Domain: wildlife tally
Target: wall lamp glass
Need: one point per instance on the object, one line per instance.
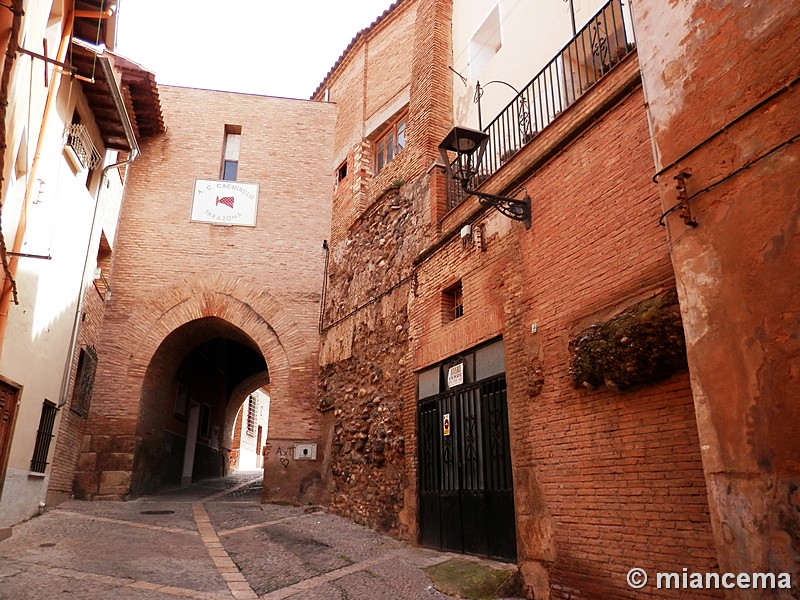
(469, 146)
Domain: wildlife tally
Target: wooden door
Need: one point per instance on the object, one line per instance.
(9, 402)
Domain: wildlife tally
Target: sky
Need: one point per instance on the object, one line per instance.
(276, 48)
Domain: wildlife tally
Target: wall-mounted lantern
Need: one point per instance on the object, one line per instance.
(469, 146)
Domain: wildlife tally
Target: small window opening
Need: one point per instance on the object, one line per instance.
(452, 303)
(341, 172)
(230, 153)
(101, 273)
(485, 43)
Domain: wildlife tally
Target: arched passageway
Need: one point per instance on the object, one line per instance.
(224, 339)
(195, 384)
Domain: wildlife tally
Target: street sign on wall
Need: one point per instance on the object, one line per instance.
(225, 202)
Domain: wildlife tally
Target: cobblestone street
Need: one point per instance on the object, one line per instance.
(211, 541)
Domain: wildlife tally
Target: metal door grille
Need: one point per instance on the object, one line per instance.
(466, 490)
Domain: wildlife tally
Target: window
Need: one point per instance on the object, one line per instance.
(452, 303)
(21, 163)
(485, 43)
(341, 173)
(390, 144)
(103, 267)
(84, 381)
(79, 146)
(252, 412)
(230, 153)
(181, 400)
(43, 437)
(205, 421)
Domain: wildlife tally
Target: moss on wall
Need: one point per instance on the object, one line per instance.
(642, 345)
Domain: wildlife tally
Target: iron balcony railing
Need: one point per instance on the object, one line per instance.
(594, 50)
(78, 138)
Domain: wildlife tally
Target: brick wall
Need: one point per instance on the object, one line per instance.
(262, 284)
(71, 426)
(398, 64)
(604, 480)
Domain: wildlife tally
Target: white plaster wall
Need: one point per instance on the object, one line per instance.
(532, 33)
(22, 493)
(37, 338)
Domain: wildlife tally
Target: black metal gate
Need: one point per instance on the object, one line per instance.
(466, 491)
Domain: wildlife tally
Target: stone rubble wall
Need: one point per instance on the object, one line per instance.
(366, 358)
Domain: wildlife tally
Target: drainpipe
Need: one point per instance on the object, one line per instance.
(116, 96)
(324, 287)
(52, 95)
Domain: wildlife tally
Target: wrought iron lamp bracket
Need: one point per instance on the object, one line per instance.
(516, 210)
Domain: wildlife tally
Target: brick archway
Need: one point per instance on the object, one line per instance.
(113, 433)
(256, 313)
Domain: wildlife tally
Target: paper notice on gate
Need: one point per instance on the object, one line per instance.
(455, 375)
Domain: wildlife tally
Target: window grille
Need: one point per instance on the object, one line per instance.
(43, 437)
(79, 140)
(252, 415)
(84, 381)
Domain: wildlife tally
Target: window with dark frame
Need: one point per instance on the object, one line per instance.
(390, 144)
(452, 302)
(230, 152)
(44, 436)
(341, 173)
(84, 381)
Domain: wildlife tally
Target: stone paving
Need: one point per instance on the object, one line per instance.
(210, 541)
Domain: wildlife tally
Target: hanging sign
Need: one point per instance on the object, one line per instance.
(225, 202)
(446, 424)
(455, 375)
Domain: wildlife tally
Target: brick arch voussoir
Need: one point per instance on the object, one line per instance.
(255, 312)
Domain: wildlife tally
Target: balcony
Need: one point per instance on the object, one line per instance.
(80, 147)
(602, 43)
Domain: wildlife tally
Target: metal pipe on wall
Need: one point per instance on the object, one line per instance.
(130, 136)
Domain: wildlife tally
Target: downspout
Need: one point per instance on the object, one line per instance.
(130, 136)
(52, 96)
(324, 287)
